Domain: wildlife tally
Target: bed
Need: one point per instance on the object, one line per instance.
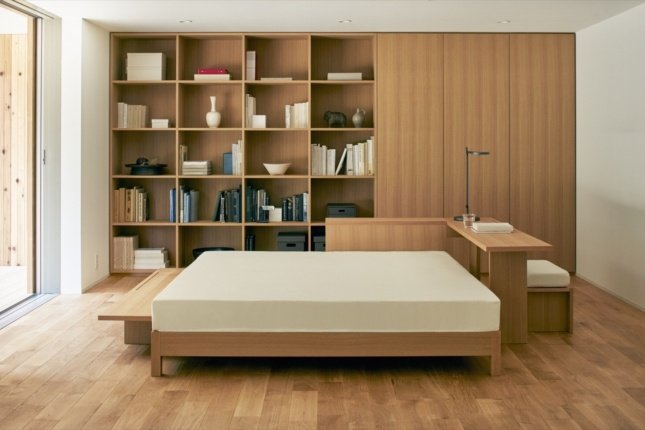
(409, 303)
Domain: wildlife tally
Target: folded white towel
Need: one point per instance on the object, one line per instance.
(492, 227)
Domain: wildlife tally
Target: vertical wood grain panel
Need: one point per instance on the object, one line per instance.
(542, 173)
(410, 125)
(476, 116)
(5, 144)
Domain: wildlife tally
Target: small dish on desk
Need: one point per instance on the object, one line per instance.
(276, 169)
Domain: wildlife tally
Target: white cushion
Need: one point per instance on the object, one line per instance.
(543, 273)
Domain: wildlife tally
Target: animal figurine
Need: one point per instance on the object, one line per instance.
(335, 119)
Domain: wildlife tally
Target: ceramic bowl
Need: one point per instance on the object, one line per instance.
(277, 169)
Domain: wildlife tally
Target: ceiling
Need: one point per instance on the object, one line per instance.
(324, 15)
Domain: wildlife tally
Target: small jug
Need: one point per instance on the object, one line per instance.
(358, 118)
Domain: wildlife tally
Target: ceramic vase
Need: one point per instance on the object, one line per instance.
(358, 118)
(213, 117)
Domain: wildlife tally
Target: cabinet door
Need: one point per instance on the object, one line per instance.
(542, 163)
(476, 116)
(410, 125)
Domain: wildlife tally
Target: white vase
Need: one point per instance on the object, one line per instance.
(358, 118)
(213, 117)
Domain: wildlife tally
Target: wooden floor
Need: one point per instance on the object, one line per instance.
(13, 285)
(61, 368)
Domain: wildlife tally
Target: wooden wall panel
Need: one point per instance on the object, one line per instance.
(542, 136)
(410, 125)
(476, 103)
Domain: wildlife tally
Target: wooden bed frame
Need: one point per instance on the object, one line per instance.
(357, 234)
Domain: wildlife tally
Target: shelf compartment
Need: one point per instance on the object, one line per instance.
(279, 187)
(208, 190)
(280, 55)
(338, 139)
(149, 237)
(208, 145)
(210, 51)
(271, 100)
(276, 147)
(266, 235)
(129, 145)
(159, 98)
(158, 190)
(341, 98)
(192, 236)
(194, 103)
(342, 53)
(358, 191)
(122, 44)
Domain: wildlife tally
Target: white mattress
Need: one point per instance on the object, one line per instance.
(423, 291)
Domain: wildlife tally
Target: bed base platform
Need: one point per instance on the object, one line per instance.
(320, 344)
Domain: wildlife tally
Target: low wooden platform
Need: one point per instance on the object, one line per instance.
(134, 309)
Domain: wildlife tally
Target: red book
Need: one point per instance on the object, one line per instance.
(214, 71)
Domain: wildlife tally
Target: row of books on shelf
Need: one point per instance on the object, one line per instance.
(131, 116)
(128, 256)
(232, 162)
(228, 207)
(296, 115)
(296, 207)
(130, 204)
(184, 204)
(357, 159)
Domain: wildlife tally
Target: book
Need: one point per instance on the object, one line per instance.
(340, 163)
(351, 76)
(212, 77)
(212, 71)
(349, 170)
(277, 79)
(250, 65)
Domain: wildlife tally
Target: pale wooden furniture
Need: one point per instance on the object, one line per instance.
(542, 161)
(550, 302)
(306, 58)
(134, 307)
(507, 255)
(512, 94)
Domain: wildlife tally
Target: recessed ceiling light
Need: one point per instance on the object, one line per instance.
(185, 21)
(345, 21)
(504, 21)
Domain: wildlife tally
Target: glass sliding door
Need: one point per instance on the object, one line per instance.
(17, 157)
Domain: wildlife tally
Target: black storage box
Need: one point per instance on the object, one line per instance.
(319, 243)
(341, 210)
(292, 241)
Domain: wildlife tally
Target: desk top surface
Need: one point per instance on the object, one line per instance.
(517, 241)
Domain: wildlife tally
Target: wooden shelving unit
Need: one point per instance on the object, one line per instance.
(306, 58)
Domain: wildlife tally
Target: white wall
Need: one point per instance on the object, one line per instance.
(84, 154)
(95, 133)
(611, 155)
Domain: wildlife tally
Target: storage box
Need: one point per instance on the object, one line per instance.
(146, 66)
(292, 241)
(319, 243)
(341, 210)
(160, 123)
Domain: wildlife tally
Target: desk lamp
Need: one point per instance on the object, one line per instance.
(469, 152)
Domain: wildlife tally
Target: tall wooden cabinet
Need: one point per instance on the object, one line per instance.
(542, 162)
(306, 59)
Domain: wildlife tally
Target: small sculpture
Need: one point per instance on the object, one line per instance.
(358, 118)
(335, 119)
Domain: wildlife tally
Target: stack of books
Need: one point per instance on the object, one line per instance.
(131, 116)
(350, 76)
(296, 115)
(123, 257)
(150, 258)
(212, 74)
(196, 168)
(130, 204)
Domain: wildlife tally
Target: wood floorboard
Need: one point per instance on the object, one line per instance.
(60, 368)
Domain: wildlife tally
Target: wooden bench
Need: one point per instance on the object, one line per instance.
(134, 308)
(550, 298)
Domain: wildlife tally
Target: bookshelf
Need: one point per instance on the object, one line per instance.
(306, 59)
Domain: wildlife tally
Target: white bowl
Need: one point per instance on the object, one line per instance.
(277, 169)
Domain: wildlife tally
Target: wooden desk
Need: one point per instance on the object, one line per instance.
(134, 308)
(507, 273)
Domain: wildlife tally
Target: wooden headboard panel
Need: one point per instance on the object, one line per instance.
(385, 234)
